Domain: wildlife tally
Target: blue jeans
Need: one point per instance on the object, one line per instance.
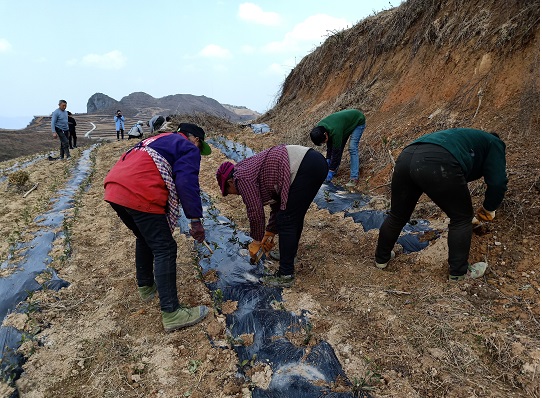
(154, 244)
(354, 153)
(429, 169)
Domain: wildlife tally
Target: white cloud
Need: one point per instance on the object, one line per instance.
(281, 69)
(5, 45)
(111, 60)
(276, 69)
(214, 51)
(252, 13)
(311, 32)
(248, 49)
(220, 68)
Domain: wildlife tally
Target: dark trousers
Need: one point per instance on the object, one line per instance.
(73, 140)
(121, 133)
(64, 142)
(429, 169)
(154, 244)
(310, 176)
(158, 123)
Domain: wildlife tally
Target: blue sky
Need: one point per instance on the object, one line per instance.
(236, 52)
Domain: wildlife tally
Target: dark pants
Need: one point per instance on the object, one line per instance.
(64, 142)
(158, 123)
(73, 139)
(310, 176)
(429, 169)
(154, 244)
(121, 133)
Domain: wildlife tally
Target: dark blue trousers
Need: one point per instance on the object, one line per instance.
(155, 253)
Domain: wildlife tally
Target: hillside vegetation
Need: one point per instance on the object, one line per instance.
(401, 332)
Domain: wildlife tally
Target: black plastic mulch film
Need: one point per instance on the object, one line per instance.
(297, 371)
(34, 260)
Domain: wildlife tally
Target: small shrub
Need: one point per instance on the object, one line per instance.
(18, 179)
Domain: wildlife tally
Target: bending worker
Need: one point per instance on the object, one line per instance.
(335, 130)
(440, 165)
(145, 188)
(286, 177)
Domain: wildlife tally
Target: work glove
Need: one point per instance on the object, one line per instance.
(254, 249)
(196, 231)
(328, 162)
(330, 175)
(267, 241)
(485, 215)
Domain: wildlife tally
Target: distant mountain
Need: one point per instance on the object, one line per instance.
(242, 111)
(140, 104)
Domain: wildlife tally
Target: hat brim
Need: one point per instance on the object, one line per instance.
(205, 148)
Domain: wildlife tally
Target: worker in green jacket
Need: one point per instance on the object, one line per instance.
(440, 165)
(335, 130)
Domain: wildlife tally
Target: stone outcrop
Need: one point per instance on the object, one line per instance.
(140, 104)
(100, 102)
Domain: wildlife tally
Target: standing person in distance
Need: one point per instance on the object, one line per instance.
(119, 124)
(335, 130)
(73, 136)
(440, 165)
(286, 177)
(61, 129)
(145, 188)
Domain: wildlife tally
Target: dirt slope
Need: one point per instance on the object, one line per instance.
(402, 332)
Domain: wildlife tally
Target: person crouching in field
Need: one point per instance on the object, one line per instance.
(136, 131)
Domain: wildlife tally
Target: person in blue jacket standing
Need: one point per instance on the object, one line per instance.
(441, 165)
(119, 124)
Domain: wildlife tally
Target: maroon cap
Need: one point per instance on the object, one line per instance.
(222, 175)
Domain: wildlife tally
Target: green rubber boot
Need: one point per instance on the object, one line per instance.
(183, 317)
(146, 293)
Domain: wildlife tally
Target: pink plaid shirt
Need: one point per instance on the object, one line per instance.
(263, 179)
